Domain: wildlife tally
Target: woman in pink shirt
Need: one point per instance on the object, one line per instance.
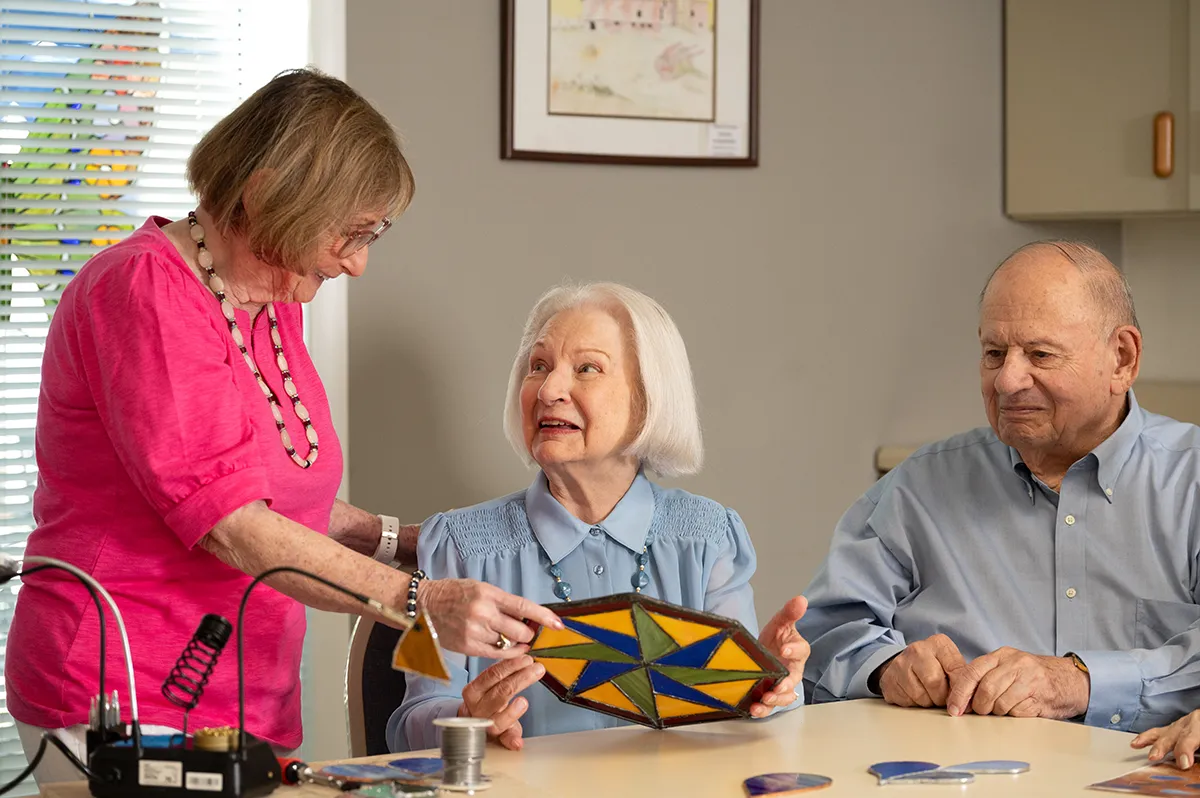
(180, 422)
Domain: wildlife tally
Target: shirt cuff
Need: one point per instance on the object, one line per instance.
(416, 727)
(858, 683)
(195, 516)
(1116, 689)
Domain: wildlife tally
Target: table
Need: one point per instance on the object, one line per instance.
(836, 740)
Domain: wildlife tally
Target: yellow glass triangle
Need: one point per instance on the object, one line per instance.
(729, 692)
(730, 657)
(669, 707)
(620, 621)
(418, 651)
(609, 693)
(553, 638)
(565, 670)
(684, 632)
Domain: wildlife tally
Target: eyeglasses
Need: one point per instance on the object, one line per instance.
(363, 238)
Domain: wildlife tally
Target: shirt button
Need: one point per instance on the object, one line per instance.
(596, 531)
(1116, 718)
(1108, 491)
(1071, 592)
(1070, 519)
(598, 570)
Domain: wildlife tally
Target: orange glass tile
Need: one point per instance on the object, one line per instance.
(669, 707)
(608, 693)
(729, 692)
(730, 657)
(684, 632)
(553, 638)
(565, 670)
(620, 621)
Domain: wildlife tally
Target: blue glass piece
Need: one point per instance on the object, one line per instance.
(772, 783)
(643, 559)
(598, 672)
(423, 765)
(639, 579)
(562, 590)
(555, 571)
(674, 689)
(891, 770)
(694, 656)
(365, 772)
(624, 643)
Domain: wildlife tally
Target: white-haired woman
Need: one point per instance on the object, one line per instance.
(601, 392)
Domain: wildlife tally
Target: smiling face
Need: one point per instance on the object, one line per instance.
(262, 282)
(329, 264)
(578, 395)
(1053, 375)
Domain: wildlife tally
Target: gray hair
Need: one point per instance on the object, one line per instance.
(1106, 283)
(669, 441)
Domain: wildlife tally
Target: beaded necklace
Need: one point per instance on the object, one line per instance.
(638, 581)
(217, 286)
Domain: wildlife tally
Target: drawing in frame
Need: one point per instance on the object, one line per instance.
(660, 82)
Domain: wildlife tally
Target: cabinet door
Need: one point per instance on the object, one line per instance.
(1084, 80)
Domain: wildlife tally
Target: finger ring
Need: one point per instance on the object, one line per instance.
(504, 644)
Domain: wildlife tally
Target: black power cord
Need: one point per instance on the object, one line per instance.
(49, 737)
(241, 741)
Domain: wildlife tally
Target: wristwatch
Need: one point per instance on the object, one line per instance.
(1078, 662)
(389, 540)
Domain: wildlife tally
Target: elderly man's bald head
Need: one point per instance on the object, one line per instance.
(1106, 284)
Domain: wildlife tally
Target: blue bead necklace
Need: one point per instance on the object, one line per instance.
(638, 581)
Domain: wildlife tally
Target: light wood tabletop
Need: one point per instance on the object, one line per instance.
(836, 740)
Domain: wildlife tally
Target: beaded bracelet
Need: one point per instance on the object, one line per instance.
(410, 606)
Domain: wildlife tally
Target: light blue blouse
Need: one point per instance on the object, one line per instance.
(700, 557)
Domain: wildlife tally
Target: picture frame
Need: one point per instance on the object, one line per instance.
(649, 82)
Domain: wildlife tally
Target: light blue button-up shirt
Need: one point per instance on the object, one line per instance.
(700, 557)
(963, 540)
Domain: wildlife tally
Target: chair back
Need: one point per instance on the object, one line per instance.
(373, 688)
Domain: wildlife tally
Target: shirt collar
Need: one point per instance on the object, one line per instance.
(559, 533)
(1110, 456)
(1113, 454)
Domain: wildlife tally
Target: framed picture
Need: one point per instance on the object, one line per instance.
(667, 82)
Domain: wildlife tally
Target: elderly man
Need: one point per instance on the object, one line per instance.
(1045, 566)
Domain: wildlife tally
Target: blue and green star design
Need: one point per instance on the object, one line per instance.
(653, 662)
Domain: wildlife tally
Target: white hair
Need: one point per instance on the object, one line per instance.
(669, 441)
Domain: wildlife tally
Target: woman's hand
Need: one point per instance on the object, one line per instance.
(493, 695)
(471, 616)
(780, 637)
(1181, 738)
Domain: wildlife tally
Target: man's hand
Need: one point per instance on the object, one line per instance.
(1012, 682)
(1181, 738)
(918, 676)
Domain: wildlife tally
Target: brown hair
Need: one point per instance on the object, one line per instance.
(320, 155)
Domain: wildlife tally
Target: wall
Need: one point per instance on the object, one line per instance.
(1162, 267)
(827, 297)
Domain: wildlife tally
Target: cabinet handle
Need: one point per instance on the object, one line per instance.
(1164, 144)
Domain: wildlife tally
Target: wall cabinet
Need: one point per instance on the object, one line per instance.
(1097, 93)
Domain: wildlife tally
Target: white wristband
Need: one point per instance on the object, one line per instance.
(389, 540)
